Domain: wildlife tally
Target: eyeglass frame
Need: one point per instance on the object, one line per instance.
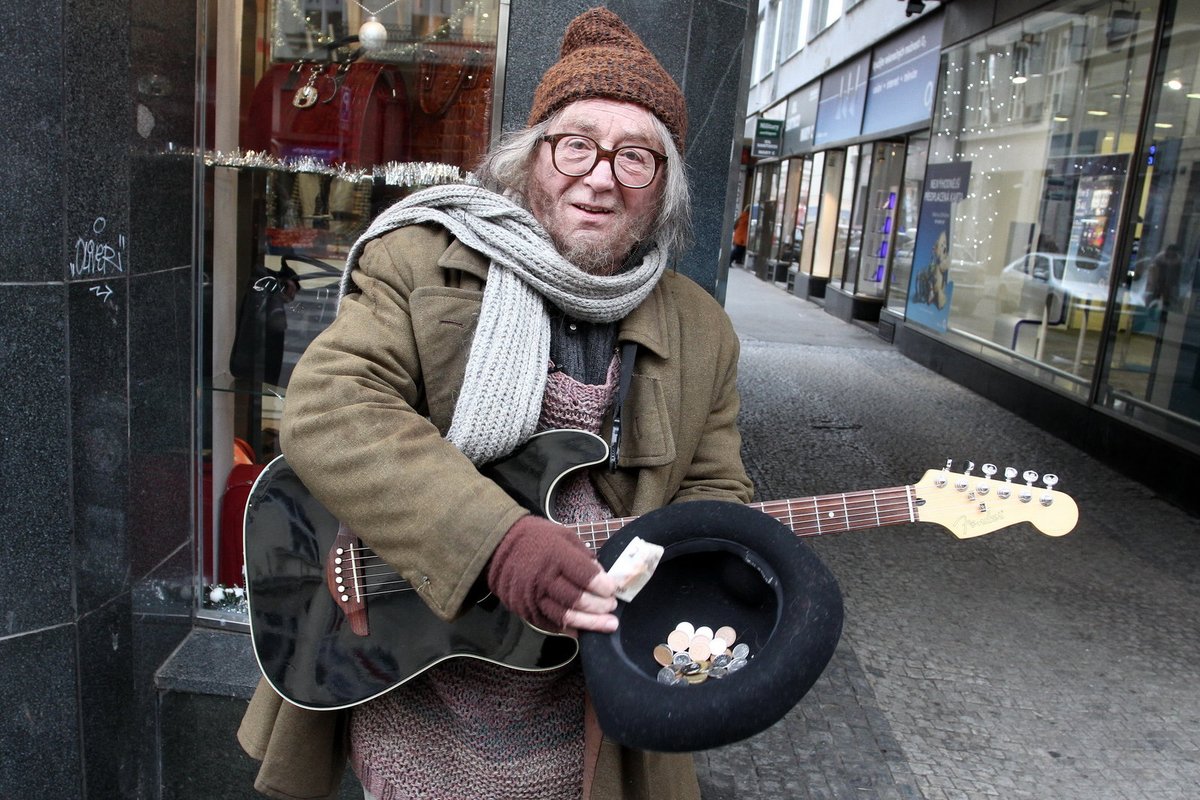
(602, 154)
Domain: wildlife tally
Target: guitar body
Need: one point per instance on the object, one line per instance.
(303, 639)
(327, 640)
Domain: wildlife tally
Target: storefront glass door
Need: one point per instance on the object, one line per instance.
(1152, 369)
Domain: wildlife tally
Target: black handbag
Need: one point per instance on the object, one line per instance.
(262, 319)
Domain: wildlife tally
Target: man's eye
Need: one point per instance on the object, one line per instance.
(634, 157)
(577, 145)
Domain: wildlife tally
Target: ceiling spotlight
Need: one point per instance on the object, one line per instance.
(914, 7)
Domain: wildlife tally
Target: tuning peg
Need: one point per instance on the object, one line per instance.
(1050, 480)
(1027, 494)
(941, 480)
(988, 469)
(1005, 491)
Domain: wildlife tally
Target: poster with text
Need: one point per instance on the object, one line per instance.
(931, 288)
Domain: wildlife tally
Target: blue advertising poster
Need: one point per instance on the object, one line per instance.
(931, 288)
(840, 109)
(904, 74)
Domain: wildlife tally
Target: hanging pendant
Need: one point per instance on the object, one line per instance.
(372, 35)
(307, 95)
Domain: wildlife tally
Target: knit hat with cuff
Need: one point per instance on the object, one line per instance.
(602, 57)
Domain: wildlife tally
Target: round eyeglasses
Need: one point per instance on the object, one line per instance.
(576, 155)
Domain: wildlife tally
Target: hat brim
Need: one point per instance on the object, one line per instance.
(724, 564)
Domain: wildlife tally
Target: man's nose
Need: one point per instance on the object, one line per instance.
(601, 177)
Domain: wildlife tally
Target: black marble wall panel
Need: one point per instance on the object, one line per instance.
(107, 695)
(96, 145)
(700, 43)
(159, 126)
(34, 462)
(160, 396)
(31, 128)
(100, 439)
(39, 726)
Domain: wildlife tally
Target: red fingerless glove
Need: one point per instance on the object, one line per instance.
(540, 570)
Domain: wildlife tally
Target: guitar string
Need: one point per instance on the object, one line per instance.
(898, 509)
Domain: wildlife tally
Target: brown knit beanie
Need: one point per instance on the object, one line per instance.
(602, 57)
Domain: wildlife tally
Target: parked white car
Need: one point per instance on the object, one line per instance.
(1031, 281)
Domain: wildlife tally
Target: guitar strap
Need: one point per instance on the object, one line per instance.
(628, 354)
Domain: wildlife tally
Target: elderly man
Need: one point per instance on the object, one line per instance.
(471, 318)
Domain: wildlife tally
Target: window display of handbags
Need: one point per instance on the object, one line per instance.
(452, 119)
(352, 112)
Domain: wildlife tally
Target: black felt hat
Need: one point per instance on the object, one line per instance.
(724, 564)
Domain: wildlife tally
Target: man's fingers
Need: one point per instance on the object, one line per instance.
(603, 585)
(586, 621)
(594, 603)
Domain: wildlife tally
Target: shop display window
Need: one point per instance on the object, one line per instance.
(880, 204)
(1151, 364)
(812, 213)
(845, 245)
(1033, 145)
(907, 213)
(317, 115)
(795, 206)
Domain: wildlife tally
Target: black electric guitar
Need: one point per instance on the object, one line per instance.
(334, 626)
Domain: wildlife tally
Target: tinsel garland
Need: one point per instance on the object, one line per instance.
(393, 173)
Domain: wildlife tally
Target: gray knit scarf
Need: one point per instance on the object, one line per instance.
(501, 395)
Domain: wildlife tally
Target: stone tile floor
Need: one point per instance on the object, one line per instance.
(1014, 665)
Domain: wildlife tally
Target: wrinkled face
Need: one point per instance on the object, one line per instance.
(594, 221)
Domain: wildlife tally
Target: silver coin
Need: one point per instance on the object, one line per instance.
(691, 669)
(718, 672)
(666, 675)
(736, 664)
(721, 661)
(681, 659)
(741, 651)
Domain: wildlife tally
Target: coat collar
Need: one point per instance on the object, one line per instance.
(645, 325)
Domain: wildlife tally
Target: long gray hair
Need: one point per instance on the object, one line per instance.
(508, 163)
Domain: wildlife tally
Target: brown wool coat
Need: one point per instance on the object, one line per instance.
(376, 390)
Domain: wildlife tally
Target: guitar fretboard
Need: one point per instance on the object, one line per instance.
(806, 516)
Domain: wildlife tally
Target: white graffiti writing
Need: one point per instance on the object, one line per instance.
(96, 254)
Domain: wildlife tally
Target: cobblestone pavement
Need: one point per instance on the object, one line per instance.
(1014, 665)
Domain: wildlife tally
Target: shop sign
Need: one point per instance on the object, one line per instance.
(768, 136)
(840, 109)
(904, 75)
(931, 287)
(801, 120)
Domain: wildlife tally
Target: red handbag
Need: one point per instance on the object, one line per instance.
(352, 113)
(453, 118)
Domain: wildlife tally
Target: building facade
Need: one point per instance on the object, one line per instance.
(1003, 190)
(185, 179)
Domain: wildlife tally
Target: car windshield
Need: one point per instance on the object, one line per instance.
(1083, 270)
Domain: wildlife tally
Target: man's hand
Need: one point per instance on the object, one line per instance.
(544, 574)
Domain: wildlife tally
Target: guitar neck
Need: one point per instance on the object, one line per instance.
(806, 516)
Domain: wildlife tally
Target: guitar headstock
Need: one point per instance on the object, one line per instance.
(971, 505)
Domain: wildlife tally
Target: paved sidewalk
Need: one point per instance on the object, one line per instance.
(1014, 665)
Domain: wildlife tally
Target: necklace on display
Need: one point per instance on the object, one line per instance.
(371, 34)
